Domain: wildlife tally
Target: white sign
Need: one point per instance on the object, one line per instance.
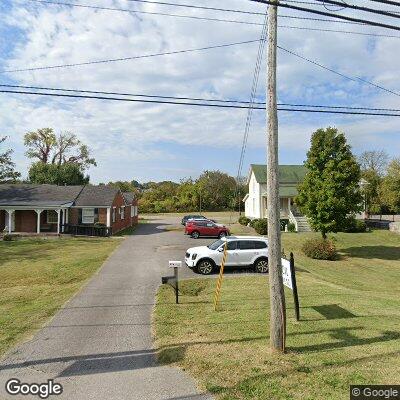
(175, 264)
(286, 275)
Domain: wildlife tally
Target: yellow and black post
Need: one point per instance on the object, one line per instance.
(221, 275)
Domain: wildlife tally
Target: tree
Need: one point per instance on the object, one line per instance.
(390, 188)
(7, 171)
(373, 167)
(330, 191)
(374, 161)
(216, 189)
(55, 174)
(48, 148)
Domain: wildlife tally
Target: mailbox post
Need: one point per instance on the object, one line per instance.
(173, 280)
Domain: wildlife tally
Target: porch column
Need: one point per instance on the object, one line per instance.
(38, 212)
(58, 221)
(63, 219)
(108, 217)
(9, 219)
(66, 215)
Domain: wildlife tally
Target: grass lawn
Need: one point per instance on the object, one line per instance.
(349, 330)
(38, 276)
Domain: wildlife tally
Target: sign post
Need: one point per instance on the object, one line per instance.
(221, 275)
(289, 280)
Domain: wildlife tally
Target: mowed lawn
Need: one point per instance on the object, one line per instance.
(349, 331)
(38, 276)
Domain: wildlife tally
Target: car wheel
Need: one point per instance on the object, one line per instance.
(205, 267)
(261, 266)
(222, 234)
(195, 235)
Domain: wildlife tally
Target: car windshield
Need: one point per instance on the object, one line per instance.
(215, 245)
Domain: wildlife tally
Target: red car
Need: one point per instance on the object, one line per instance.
(205, 228)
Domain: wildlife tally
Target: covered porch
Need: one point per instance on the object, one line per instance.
(33, 220)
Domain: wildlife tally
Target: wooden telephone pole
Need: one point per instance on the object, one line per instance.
(277, 296)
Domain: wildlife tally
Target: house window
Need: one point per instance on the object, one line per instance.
(133, 211)
(88, 215)
(114, 212)
(52, 217)
(122, 212)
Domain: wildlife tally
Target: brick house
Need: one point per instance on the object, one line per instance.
(87, 210)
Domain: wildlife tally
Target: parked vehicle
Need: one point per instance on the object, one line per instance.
(242, 252)
(197, 228)
(187, 217)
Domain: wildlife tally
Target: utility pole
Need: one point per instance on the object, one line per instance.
(277, 296)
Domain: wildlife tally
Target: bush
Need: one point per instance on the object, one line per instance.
(356, 226)
(320, 249)
(253, 222)
(244, 220)
(7, 237)
(261, 226)
(291, 227)
(283, 223)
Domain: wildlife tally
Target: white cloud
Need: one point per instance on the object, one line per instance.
(134, 133)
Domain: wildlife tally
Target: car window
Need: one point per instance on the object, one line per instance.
(210, 225)
(215, 245)
(232, 245)
(246, 245)
(260, 245)
(200, 223)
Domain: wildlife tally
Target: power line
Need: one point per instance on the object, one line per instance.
(312, 11)
(196, 104)
(336, 31)
(196, 98)
(393, 3)
(130, 58)
(360, 8)
(355, 79)
(192, 16)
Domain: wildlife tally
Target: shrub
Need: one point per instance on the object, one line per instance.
(244, 220)
(253, 222)
(283, 223)
(291, 227)
(356, 226)
(261, 226)
(320, 249)
(7, 237)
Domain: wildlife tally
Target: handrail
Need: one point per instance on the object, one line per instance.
(293, 220)
(87, 230)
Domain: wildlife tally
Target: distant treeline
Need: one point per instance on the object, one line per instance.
(212, 191)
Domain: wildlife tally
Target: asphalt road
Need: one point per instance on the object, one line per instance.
(99, 345)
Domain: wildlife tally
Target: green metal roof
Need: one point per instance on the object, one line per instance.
(286, 191)
(287, 173)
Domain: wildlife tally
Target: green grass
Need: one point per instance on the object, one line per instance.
(38, 276)
(349, 331)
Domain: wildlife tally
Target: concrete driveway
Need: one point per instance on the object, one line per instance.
(99, 345)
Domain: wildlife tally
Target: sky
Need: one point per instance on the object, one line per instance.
(154, 142)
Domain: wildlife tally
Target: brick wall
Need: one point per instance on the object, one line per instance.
(119, 223)
(25, 221)
(2, 220)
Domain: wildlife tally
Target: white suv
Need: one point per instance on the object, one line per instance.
(243, 251)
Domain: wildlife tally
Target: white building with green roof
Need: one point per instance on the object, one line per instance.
(256, 200)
